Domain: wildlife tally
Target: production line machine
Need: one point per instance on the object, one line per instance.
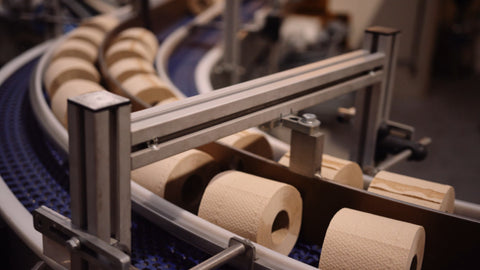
(76, 180)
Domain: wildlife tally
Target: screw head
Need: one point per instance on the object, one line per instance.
(308, 118)
(73, 243)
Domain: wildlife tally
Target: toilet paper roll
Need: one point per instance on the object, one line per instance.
(359, 240)
(89, 34)
(68, 90)
(104, 23)
(142, 35)
(180, 179)
(414, 190)
(262, 210)
(335, 169)
(250, 141)
(148, 88)
(198, 6)
(126, 49)
(68, 68)
(128, 67)
(166, 101)
(76, 48)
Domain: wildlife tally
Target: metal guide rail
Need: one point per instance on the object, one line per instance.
(106, 143)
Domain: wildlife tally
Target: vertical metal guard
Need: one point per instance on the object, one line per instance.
(374, 102)
(231, 44)
(99, 147)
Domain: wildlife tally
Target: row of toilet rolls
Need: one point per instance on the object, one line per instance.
(71, 71)
(130, 61)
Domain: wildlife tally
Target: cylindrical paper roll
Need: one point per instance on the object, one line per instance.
(128, 67)
(166, 101)
(148, 88)
(359, 240)
(262, 210)
(126, 49)
(102, 22)
(76, 48)
(414, 190)
(335, 169)
(180, 179)
(89, 34)
(68, 90)
(198, 6)
(249, 141)
(68, 68)
(142, 35)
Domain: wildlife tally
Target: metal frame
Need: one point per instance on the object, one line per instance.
(102, 134)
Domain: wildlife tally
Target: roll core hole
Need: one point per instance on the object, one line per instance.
(413, 265)
(280, 227)
(192, 188)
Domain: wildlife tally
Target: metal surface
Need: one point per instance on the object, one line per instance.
(231, 43)
(90, 248)
(306, 144)
(99, 165)
(202, 119)
(237, 248)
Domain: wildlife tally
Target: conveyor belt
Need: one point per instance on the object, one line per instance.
(38, 175)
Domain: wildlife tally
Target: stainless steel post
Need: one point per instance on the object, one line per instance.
(373, 103)
(231, 44)
(99, 147)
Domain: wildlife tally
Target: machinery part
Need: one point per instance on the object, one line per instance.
(394, 139)
(96, 251)
(306, 144)
(237, 247)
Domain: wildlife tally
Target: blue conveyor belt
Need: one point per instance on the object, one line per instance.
(37, 173)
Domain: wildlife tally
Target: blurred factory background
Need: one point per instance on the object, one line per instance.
(437, 87)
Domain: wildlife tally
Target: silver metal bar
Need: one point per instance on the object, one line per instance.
(373, 104)
(395, 159)
(231, 43)
(97, 173)
(99, 132)
(120, 185)
(221, 258)
(217, 130)
(218, 105)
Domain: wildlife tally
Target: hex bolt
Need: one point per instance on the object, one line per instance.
(308, 118)
(73, 243)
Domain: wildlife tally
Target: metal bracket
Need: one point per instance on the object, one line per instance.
(306, 144)
(90, 248)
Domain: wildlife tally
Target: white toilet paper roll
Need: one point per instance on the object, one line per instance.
(335, 169)
(262, 210)
(68, 90)
(180, 179)
(250, 141)
(414, 190)
(89, 34)
(76, 48)
(104, 23)
(126, 49)
(128, 67)
(148, 88)
(68, 68)
(142, 35)
(359, 240)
